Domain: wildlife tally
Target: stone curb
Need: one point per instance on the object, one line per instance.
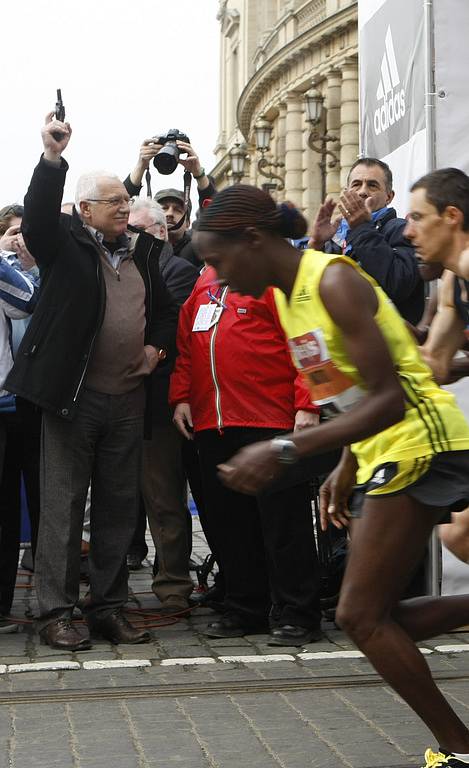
(95, 664)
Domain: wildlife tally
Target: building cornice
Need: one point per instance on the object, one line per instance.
(272, 70)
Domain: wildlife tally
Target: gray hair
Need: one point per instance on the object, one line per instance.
(148, 204)
(88, 183)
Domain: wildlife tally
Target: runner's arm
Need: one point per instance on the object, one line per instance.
(446, 334)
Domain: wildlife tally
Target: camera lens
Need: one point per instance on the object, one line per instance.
(166, 160)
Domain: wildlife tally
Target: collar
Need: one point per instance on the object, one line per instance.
(123, 241)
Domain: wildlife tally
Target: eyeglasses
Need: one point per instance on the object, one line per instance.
(113, 202)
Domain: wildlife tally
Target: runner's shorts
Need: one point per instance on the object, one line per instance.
(440, 480)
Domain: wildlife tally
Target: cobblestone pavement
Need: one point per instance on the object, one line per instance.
(188, 700)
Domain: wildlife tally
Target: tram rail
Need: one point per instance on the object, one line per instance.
(177, 690)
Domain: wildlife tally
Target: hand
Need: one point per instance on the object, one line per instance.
(323, 228)
(182, 420)
(251, 468)
(152, 355)
(191, 162)
(354, 208)
(334, 494)
(147, 152)
(304, 419)
(26, 260)
(53, 148)
(9, 241)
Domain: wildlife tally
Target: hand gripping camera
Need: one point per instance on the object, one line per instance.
(166, 160)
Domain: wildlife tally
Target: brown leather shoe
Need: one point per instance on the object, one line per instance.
(61, 633)
(117, 629)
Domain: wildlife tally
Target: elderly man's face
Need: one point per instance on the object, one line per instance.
(143, 218)
(109, 211)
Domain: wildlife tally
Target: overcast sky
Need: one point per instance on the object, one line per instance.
(127, 70)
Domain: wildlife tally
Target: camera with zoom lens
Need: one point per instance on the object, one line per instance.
(166, 160)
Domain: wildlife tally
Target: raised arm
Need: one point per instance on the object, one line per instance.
(446, 334)
(40, 225)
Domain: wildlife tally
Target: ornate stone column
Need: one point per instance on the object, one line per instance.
(333, 105)
(294, 148)
(349, 118)
(281, 138)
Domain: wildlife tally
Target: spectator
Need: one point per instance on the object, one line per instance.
(17, 300)
(164, 483)
(102, 319)
(372, 235)
(23, 443)
(234, 384)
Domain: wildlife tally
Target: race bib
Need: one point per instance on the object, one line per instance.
(330, 388)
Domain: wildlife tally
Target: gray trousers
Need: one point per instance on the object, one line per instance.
(164, 489)
(103, 444)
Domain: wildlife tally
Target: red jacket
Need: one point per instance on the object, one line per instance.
(239, 372)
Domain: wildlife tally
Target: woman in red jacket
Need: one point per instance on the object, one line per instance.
(234, 384)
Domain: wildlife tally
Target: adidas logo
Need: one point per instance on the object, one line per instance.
(379, 478)
(393, 107)
(303, 294)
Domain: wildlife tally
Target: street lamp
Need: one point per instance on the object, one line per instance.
(238, 157)
(314, 105)
(263, 132)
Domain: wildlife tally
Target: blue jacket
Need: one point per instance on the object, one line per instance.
(18, 298)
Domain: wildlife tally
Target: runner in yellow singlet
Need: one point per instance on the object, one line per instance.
(406, 442)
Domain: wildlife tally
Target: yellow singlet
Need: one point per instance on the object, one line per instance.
(432, 423)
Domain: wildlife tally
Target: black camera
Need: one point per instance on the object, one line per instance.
(166, 160)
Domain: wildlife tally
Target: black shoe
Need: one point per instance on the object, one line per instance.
(213, 598)
(231, 626)
(134, 562)
(115, 628)
(291, 635)
(64, 635)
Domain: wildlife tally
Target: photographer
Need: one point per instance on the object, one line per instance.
(172, 200)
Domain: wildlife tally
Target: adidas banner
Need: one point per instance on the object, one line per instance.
(392, 88)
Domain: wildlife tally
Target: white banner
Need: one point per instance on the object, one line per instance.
(392, 89)
(451, 22)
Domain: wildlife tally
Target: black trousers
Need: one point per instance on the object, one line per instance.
(22, 431)
(265, 544)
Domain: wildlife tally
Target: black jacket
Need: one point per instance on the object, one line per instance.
(51, 363)
(184, 249)
(179, 277)
(384, 253)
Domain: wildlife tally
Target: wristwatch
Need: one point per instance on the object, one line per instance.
(285, 450)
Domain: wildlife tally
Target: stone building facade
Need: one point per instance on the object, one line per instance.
(271, 53)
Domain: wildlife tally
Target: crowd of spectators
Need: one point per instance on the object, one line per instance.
(110, 406)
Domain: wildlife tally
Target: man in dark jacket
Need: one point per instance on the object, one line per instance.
(371, 234)
(164, 483)
(102, 322)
